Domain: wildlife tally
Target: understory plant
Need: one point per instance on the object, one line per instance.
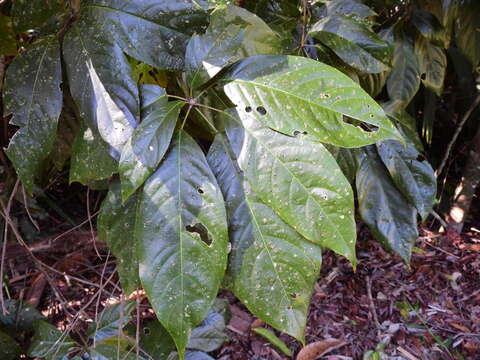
(232, 140)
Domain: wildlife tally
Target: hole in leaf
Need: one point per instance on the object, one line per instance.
(248, 109)
(368, 127)
(420, 157)
(296, 133)
(200, 190)
(261, 110)
(200, 231)
(146, 331)
(423, 76)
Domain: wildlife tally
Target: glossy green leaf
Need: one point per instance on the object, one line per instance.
(433, 64)
(210, 334)
(149, 143)
(406, 123)
(156, 341)
(404, 79)
(300, 180)
(182, 239)
(426, 23)
(19, 317)
(281, 15)
(351, 8)
(90, 158)
(354, 43)
(111, 321)
(294, 95)
(388, 214)
(8, 41)
(373, 83)
(34, 14)
(233, 33)
(467, 34)
(33, 96)
(50, 343)
(347, 159)
(411, 173)
(153, 31)
(272, 269)
(9, 349)
(270, 336)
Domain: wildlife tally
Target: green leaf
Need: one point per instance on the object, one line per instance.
(8, 41)
(433, 64)
(153, 31)
(110, 352)
(32, 94)
(354, 43)
(411, 173)
(9, 349)
(233, 33)
(300, 180)
(149, 143)
(272, 268)
(284, 91)
(90, 158)
(19, 317)
(373, 83)
(281, 15)
(390, 217)
(116, 224)
(50, 343)
(111, 321)
(467, 34)
(108, 102)
(182, 239)
(406, 122)
(351, 8)
(404, 79)
(426, 23)
(210, 334)
(34, 14)
(156, 341)
(270, 336)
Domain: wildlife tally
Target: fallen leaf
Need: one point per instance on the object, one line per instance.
(319, 348)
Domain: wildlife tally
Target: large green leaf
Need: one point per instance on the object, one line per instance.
(90, 158)
(467, 32)
(433, 64)
(354, 43)
(116, 224)
(153, 31)
(294, 95)
(404, 79)
(149, 143)
(390, 217)
(182, 239)
(111, 321)
(32, 94)
(49, 343)
(272, 269)
(9, 349)
(411, 173)
(233, 33)
(300, 180)
(108, 102)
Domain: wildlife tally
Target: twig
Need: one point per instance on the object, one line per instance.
(91, 225)
(455, 135)
(4, 246)
(371, 303)
(439, 218)
(28, 210)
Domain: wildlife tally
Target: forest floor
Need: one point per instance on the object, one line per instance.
(430, 310)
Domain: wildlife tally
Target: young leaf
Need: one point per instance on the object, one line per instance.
(9, 349)
(433, 64)
(33, 96)
(116, 224)
(387, 213)
(90, 158)
(108, 102)
(272, 268)
(270, 336)
(300, 180)
(294, 95)
(233, 33)
(354, 43)
(50, 343)
(181, 236)
(404, 79)
(153, 31)
(111, 321)
(411, 173)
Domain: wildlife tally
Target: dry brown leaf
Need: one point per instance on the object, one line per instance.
(319, 348)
